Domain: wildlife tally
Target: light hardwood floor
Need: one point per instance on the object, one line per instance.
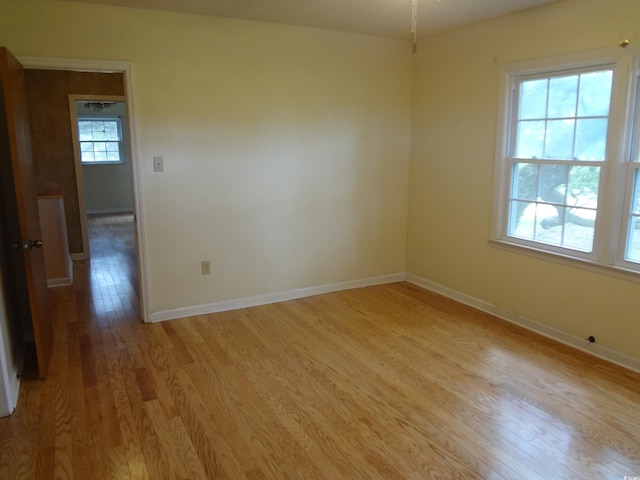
(385, 382)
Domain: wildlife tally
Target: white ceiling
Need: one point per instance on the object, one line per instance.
(390, 18)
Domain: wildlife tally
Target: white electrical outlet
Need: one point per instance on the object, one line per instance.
(206, 267)
(158, 164)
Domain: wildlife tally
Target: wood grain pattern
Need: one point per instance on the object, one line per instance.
(388, 382)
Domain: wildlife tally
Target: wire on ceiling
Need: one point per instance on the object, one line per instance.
(414, 25)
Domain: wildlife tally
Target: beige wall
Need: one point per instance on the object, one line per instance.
(286, 149)
(287, 153)
(452, 167)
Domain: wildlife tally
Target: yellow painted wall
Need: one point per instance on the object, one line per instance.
(287, 153)
(286, 149)
(451, 178)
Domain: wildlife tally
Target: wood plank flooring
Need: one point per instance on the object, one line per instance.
(387, 382)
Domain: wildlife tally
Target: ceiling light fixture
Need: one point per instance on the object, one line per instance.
(99, 106)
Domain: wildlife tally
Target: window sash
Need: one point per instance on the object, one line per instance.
(100, 146)
(534, 204)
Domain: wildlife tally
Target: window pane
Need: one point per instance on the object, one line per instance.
(635, 206)
(530, 142)
(88, 157)
(633, 238)
(584, 183)
(522, 219)
(548, 224)
(525, 181)
(100, 156)
(563, 93)
(565, 227)
(86, 146)
(579, 229)
(553, 183)
(113, 147)
(595, 93)
(99, 147)
(98, 135)
(111, 131)
(633, 242)
(591, 139)
(559, 140)
(533, 99)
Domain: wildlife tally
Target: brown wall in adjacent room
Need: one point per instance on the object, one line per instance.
(49, 120)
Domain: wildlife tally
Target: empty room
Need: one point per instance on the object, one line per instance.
(368, 239)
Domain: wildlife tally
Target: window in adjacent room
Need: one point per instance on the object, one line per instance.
(100, 140)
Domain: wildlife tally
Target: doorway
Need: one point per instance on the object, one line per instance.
(124, 99)
(99, 127)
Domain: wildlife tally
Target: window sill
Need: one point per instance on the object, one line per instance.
(102, 163)
(608, 270)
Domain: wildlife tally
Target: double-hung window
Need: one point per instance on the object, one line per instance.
(568, 159)
(100, 140)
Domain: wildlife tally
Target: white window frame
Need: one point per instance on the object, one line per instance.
(105, 118)
(616, 181)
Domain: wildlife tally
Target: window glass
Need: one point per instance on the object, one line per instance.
(100, 140)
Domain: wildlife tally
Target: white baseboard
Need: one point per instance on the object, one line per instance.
(11, 388)
(14, 390)
(581, 344)
(105, 211)
(63, 281)
(246, 302)
(59, 282)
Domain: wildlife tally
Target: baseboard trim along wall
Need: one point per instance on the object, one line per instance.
(106, 211)
(63, 281)
(246, 302)
(542, 329)
(11, 383)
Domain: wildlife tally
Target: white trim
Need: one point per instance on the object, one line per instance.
(579, 343)
(126, 68)
(11, 383)
(569, 261)
(106, 211)
(59, 282)
(257, 300)
(63, 281)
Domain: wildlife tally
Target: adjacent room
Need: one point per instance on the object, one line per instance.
(385, 239)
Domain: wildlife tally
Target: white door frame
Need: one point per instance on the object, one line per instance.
(126, 68)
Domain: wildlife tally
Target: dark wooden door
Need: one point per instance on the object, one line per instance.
(21, 225)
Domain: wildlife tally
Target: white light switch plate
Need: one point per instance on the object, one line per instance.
(158, 164)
